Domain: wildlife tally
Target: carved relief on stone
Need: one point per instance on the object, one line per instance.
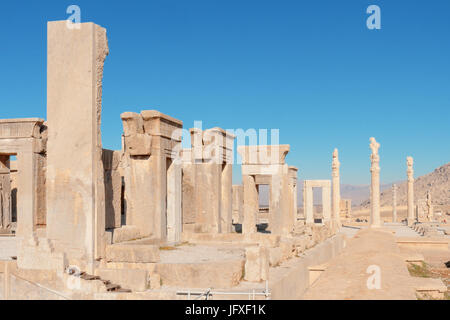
(374, 157)
(410, 170)
(335, 164)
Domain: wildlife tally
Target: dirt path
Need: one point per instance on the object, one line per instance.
(346, 276)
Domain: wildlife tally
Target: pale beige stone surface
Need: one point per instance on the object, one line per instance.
(308, 207)
(132, 253)
(257, 262)
(336, 187)
(238, 204)
(133, 279)
(375, 217)
(152, 174)
(25, 139)
(410, 191)
(75, 181)
(266, 165)
(113, 188)
(346, 277)
(207, 181)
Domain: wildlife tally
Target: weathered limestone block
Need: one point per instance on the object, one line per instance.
(238, 204)
(250, 205)
(136, 142)
(207, 181)
(223, 274)
(288, 248)
(75, 182)
(153, 179)
(133, 253)
(113, 188)
(308, 207)
(125, 233)
(300, 243)
(266, 165)
(155, 281)
(275, 256)
(133, 279)
(23, 137)
(257, 262)
(5, 193)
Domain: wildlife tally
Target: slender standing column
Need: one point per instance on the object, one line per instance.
(5, 192)
(394, 203)
(336, 188)
(410, 173)
(250, 204)
(326, 202)
(375, 219)
(308, 203)
(429, 206)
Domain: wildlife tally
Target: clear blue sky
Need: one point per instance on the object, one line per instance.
(309, 68)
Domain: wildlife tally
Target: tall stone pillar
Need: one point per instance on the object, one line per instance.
(308, 207)
(394, 203)
(336, 188)
(293, 172)
(5, 193)
(375, 218)
(326, 202)
(429, 207)
(226, 210)
(250, 204)
(75, 180)
(410, 192)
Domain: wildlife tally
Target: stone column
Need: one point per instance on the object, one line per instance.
(394, 203)
(308, 207)
(326, 202)
(429, 206)
(238, 204)
(5, 192)
(293, 172)
(336, 188)
(75, 181)
(174, 194)
(375, 218)
(226, 211)
(410, 174)
(250, 204)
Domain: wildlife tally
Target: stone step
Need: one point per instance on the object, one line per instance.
(132, 279)
(125, 233)
(133, 253)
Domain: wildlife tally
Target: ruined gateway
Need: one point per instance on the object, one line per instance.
(150, 221)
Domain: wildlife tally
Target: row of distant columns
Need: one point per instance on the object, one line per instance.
(375, 217)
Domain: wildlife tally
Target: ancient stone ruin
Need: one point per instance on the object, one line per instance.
(93, 223)
(154, 220)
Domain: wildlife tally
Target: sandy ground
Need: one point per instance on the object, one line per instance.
(346, 276)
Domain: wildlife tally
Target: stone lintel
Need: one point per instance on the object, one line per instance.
(263, 154)
(20, 128)
(160, 125)
(317, 183)
(154, 114)
(266, 169)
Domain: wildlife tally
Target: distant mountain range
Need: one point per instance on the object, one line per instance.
(437, 182)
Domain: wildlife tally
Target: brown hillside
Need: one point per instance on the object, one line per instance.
(438, 182)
